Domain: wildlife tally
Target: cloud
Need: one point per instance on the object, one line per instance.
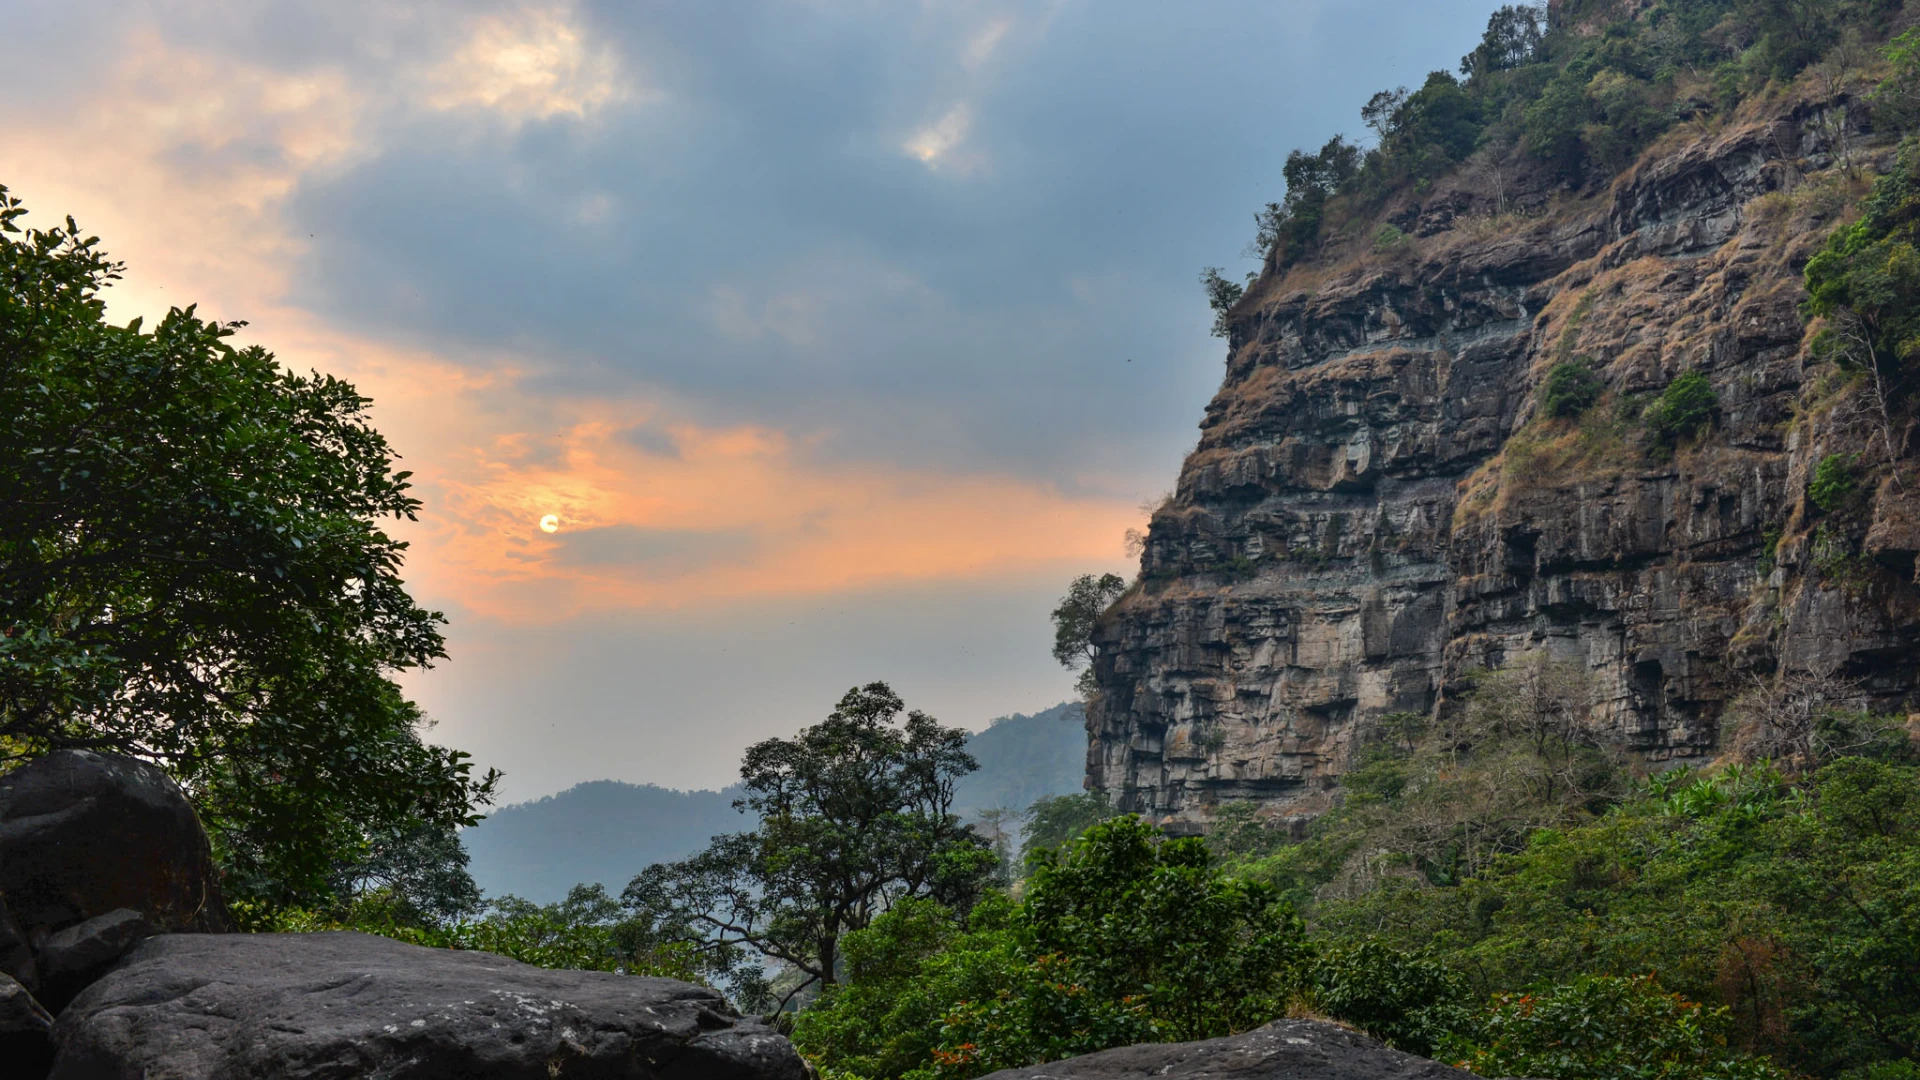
(936, 144)
(530, 64)
(650, 551)
(879, 318)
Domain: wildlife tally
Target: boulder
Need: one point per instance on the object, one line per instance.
(76, 956)
(83, 834)
(26, 1046)
(1283, 1050)
(16, 958)
(340, 1005)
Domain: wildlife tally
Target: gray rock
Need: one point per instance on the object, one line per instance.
(340, 1005)
(26, 1046)
(20, 1014)
(1283, 1050)
(16, 959)
(82, 834)
(76, 956)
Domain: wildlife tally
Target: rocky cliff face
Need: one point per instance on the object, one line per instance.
(1378, 506)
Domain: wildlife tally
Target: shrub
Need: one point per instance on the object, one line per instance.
(1604, 1027)
(1684, 407)
(1410, 1001)
(1388, 239)
(1833, 482)
(1571, 389)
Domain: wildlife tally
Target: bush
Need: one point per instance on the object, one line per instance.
(1833, 482)
(1410, 1001)
(1604, 1027)
(1571, 389)
(1683, 408)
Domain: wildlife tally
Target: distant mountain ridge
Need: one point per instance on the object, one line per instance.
(606, 831)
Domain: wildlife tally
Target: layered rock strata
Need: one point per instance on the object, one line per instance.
(1377, 505)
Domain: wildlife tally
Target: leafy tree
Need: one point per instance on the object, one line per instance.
(856, 815)
(192, 572)
(1896, 101)
(1437, 126)
(1126, 937)
(1381, 112)
(420, 873)
(1222, 294)
(1514, 36)
(1865, 285)
(1055, 821)
(1074, 620)
(1605, 1027)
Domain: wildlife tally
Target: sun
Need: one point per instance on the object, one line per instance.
(550, 523)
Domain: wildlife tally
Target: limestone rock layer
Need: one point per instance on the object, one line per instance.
(1378, 505)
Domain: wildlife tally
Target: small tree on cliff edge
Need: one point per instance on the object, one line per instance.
(856, 814)
(1074, 619)
(192, 572)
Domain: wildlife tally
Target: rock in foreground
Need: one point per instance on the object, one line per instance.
(1284, 1050)
(84, 834)
(340, 1005)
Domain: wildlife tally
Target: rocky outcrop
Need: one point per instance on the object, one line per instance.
(1285, 1050)
(1377, 506)
(345, 1005)
(84, 834)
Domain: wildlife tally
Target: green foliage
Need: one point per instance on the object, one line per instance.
(419, 873)
(192, 571)
(855, 815)
(1833, 482)
(1896, 101)
(1866, 283)
(1571, 389)
(1604, 1027)
(1222, 294)
(1792, 904)
(1409, 1000)
(1074, 621)
(588, 931)
(1055, 821)
(1683, 408)
(1515, 35)
(1388, 238)
(1126, 937)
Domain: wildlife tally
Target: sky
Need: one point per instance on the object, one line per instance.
(839, 335)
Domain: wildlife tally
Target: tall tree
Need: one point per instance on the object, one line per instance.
(1074, 619)
(192, 572)
(856, 814)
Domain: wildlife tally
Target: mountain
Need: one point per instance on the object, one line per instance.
(1023, 758)
(606, 831)
(1527, 406)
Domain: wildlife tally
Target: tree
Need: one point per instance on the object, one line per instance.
(1073, 622)
(192, 572)
(856, 816)
(1380, 112)
(1514, 35)
(419, 874)
(1222, 294)
(1054, 821)
(1865, 286)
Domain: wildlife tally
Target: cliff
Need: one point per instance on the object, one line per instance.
(1378, 504)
